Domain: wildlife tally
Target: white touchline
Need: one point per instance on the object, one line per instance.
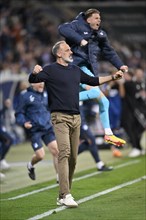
(75, 179)
(85, 199)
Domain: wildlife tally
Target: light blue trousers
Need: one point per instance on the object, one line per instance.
(95, 93)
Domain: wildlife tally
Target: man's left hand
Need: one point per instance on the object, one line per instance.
(117, 75)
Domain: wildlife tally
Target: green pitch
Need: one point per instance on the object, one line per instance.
(116, 195)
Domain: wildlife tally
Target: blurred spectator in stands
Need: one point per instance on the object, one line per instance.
(20, 33)
(134, 109)
(6, 140)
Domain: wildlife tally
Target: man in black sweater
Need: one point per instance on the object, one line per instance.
(62, 81)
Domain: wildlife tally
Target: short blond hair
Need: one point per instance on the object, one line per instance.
(90, 12)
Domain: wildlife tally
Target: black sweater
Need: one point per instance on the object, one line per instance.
(62, 84)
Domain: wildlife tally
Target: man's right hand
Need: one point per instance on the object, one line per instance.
(28, 125)
(37, 69)
(124, 68)
(83, 43)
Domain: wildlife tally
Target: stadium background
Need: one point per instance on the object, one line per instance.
(29, 29)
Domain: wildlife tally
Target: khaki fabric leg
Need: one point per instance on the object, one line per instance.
(66, 128)
(74, 142)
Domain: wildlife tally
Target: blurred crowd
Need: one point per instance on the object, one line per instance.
(27, 34)
(30, 26)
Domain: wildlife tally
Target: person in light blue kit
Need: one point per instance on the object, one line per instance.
(88, 42)
(33, 114)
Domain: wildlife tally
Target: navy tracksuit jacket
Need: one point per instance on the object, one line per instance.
(33, 107)
(98, 44)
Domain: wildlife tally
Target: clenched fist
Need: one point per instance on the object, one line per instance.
(117, 75)
(37, 69)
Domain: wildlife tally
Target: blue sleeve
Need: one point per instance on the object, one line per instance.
(71, 31)
(110, 54)
(20, 110)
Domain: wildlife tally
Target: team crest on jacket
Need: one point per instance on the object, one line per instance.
(31, 98)
(45, 94)
(101, 33)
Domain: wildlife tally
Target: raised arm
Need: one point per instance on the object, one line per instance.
(104, 79)
(70, 32)
(37, 75)
(95, 81)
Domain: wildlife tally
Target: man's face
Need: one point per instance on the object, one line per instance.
(94, 21)
(65, 53)
(39, 87)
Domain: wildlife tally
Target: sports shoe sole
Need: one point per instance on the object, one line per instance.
(119, 144)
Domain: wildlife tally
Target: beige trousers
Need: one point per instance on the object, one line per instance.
(67, 132)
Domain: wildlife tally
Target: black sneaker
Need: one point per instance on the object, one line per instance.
(105, 168)
(31, 173)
